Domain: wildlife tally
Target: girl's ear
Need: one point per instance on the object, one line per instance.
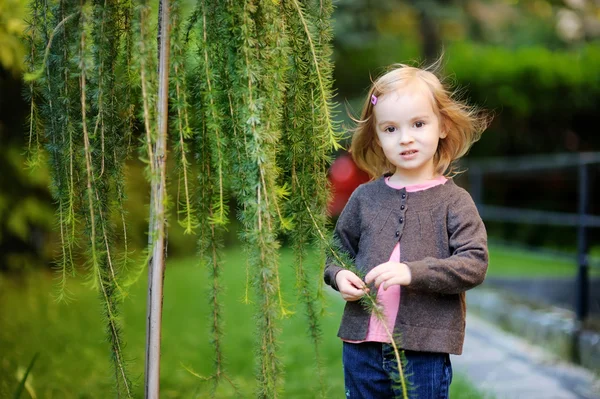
(376, 140)
(443, 129)
(375, 137)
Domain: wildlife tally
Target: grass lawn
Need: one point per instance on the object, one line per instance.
(74, 357)
(510, 262)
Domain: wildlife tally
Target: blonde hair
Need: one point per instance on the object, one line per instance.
(463, 124)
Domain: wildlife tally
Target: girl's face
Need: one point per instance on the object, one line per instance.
(408, 131)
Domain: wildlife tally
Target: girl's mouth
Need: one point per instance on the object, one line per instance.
(408, 153)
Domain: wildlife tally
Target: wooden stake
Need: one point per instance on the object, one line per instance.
(156, 269)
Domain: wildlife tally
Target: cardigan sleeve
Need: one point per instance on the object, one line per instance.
(467, 265)
(347, 235)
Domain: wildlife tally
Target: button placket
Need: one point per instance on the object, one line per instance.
(401, 218)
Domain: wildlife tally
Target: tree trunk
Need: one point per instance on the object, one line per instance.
(429, 29)
(156, 268)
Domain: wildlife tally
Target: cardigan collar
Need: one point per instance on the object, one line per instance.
(419, 200)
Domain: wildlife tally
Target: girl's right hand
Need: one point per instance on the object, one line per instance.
(350, 285)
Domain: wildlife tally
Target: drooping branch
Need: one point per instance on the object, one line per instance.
(181, 121)
(214, 114)
(323, 86)
(256, 215)
(104, 275)
(308, 141)
(259, 129)
(211, 144)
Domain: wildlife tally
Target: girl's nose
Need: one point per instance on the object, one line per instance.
(405, 137)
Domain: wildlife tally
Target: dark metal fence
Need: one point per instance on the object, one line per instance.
(582, 220)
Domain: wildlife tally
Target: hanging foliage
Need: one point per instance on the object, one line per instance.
(250, 118)
(74, 103)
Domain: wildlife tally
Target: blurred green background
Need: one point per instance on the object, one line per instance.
(535, 64)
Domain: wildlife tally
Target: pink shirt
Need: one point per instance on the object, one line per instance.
(390, 299)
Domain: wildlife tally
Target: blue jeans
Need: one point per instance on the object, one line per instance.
(370, 369)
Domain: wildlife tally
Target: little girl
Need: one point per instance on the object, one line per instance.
(415, 234)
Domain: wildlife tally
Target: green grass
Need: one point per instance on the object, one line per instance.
(74, 356)
(462, 388)
(510, 262)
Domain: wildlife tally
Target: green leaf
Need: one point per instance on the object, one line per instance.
(21, 385)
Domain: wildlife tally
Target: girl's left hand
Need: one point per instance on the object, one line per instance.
(389, 273)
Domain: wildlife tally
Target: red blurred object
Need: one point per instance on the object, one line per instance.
(344, 176)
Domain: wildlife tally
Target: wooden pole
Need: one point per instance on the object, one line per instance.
(582, 300)
(156, 269)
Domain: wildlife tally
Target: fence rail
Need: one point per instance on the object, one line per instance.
(535, 162)
(581, 220)
(534, 216)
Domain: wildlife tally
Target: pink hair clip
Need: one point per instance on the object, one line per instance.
(373, 99)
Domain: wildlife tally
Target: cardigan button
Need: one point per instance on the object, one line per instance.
(397, 233)
(403, 195)
(401, 220)
(402, 207)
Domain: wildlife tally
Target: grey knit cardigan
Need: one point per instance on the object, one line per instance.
(444, 244)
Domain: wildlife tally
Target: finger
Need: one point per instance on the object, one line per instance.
(351, 298)
(383, 277)
(349, 289)
(376, 272)
(388, 283)
(399, 279)
(356, 281)
(373, 274)
(400, 276)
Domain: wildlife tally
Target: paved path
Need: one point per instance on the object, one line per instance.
(554, 291)
(510, 368)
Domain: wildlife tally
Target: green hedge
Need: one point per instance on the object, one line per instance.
(528, 80)
(536, 94)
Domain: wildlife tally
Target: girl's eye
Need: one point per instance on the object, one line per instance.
(390, 129)
(419, 124)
